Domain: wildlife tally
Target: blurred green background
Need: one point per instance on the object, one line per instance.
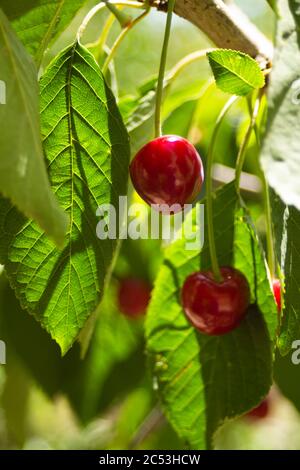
(107, 400)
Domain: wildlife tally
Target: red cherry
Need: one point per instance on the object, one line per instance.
(261, 411)
(277, 293)
(215, 308)
(167, 170)
(133, 296)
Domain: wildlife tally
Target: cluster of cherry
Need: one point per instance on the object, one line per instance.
(168, 171)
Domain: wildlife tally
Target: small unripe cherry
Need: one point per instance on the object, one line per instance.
(216, 308)
(277, 293)
(133, 296)
(167, 171)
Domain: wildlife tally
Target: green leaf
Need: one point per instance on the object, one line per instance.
(37, 22)
(287, 227)
(86, 146)
(203, 381)
(280, 155)
(235, 72)
(23, 175)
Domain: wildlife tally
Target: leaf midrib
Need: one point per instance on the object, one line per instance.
(233, 72)
(71, 141)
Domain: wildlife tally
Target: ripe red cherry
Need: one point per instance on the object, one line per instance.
(261, 411)
(277, 293)
(133, 296)
(215, 308)
(168, 170)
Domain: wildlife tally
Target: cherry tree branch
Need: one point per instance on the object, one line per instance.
(225, 24)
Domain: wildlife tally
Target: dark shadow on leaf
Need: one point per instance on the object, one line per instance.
(227, 370)
(11, 221)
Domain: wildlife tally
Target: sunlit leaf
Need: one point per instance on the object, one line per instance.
(87, 151)
(235, 72)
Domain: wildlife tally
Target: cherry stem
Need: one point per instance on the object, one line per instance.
(100, 44)
(152, 421)
(269, 232)
(162, 69)
(100, 6)
(243, 148)
(120, 38)
(268, 210)
(187, 60)
(122, 18)
(209, 191)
